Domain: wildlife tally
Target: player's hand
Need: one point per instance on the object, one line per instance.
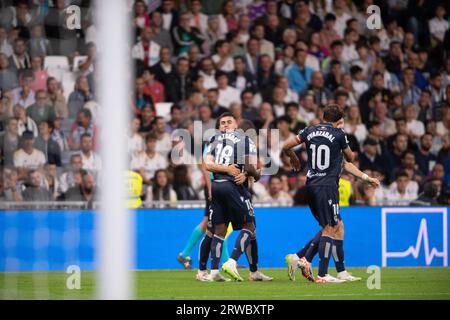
(240, 178)
(234, 170)
(374, 182)
(295, 162)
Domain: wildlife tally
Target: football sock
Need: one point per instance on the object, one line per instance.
(193, 239)
(225, 253)
(205, 248)
(311, 248)
(338, 255)
(216, 251)
(242, 241)
(252, 255)
(325, 245)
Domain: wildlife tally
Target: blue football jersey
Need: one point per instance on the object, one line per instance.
(324, 145)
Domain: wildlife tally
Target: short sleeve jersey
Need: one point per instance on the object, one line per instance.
(324, 145)
(230, 148)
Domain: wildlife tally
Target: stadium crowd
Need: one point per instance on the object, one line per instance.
(273, 64)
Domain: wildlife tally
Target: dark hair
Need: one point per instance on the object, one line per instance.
(355, 69)
(219, 74)
(401, 174)
(85, 135)
(175, 107)
(156, 188)
(332, 113)
(336, 43)
(180, 176)
(86, 112)
(292, 105)
(274, 177)
(151, 136)
(329, 17)
(225, 114)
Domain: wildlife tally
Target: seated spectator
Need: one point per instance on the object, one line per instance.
(27, 157)
(86, 191)
(41, 110)
(296, 124)
(299, 75)
(424, 158)
(20, 59)
(213, 101)
(47, 145)
(178, 83)
(164, 140)
(149, 161)
(79, 96)
(90, 160)
(164, 69)
(204, 115)
(227, 94)
(141, 96)
(369, 158)
(183, 185)
(160, 190)
(353, 124)
(23, 94)
(160, 35)
(184, 35)
(34, 191)
(9, 142)
(308, 108)
(8, 77)
(240, 78)
(146, 51)
(428, 197)
(56, 98)
(82, 125)
(135, 141)
(71, 177)
(365, 195)
(276, 194)
(152, 87)
(415, 127)
(40, 76)
(12, 186)
(401, 192)
(51, 180)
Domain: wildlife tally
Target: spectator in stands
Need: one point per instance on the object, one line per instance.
(20, 59)
(40, 76)
(183, 185)
(34, 191)
(71, 177)
(296, 122)
(24, 122)
(135, 141)
(180, 82)
(298, 74)
(365, 194)
(41, 110)
(51, 180)
(153, 87)
(399, 194)
(86, 191)
(47, 145)
(276, 194)
(142, 96)
(27, 157)
(149, 161)
(164, 69)
(9, 142)
(160, 190)
(79, 96)
(91, 161)
(424, 158)
(164, 140)
(415, 127)
(82, 125)
(353, 124)
(184, 35)
(56, 98)
(8, 77)
(38, 45)
(369, 158)
(12, 186)
(160, 35)
(23, 95)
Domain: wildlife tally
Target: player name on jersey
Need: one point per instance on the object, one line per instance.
(324, 134)
(230, 136)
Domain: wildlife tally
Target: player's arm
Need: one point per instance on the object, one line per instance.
(250, 167)
(348, 154)
(353, 170)
(210, 165)
(287, 149)
(205, 174)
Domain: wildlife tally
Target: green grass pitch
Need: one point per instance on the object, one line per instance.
(396, 283)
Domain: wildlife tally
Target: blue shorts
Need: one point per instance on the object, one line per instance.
(230, 203)
(324, 204)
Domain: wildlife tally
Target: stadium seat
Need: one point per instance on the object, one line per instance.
(56, 62)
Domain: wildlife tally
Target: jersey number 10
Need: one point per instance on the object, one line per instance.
(320, 156)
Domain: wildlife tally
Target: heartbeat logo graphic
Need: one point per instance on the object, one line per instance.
(415, 251)
(422, 236)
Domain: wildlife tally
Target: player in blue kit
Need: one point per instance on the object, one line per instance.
(231, 156)
(326, 146)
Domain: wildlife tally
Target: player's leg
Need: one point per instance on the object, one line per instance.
(338, 255)
(195, 236)
(328, 216)
(225, 253)
(303, 259)
(252, 257)
(204, 250)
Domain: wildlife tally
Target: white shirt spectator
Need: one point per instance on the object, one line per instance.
(416, 127)
(312, 62)
(341, 25)
(135, 144)
(283, 199)
(6, 48)
(306, 115)
(441, 129)
(27, 125)
(360, 87)
(438, 27)
(395, 198)
(91, 163)
(228, 96)
(209, 81)
(28, 101)
(360, 132)
(149, 165)
(228, 66)
(349, 53)
(138, 52)
(164, 145)
(29, 161)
